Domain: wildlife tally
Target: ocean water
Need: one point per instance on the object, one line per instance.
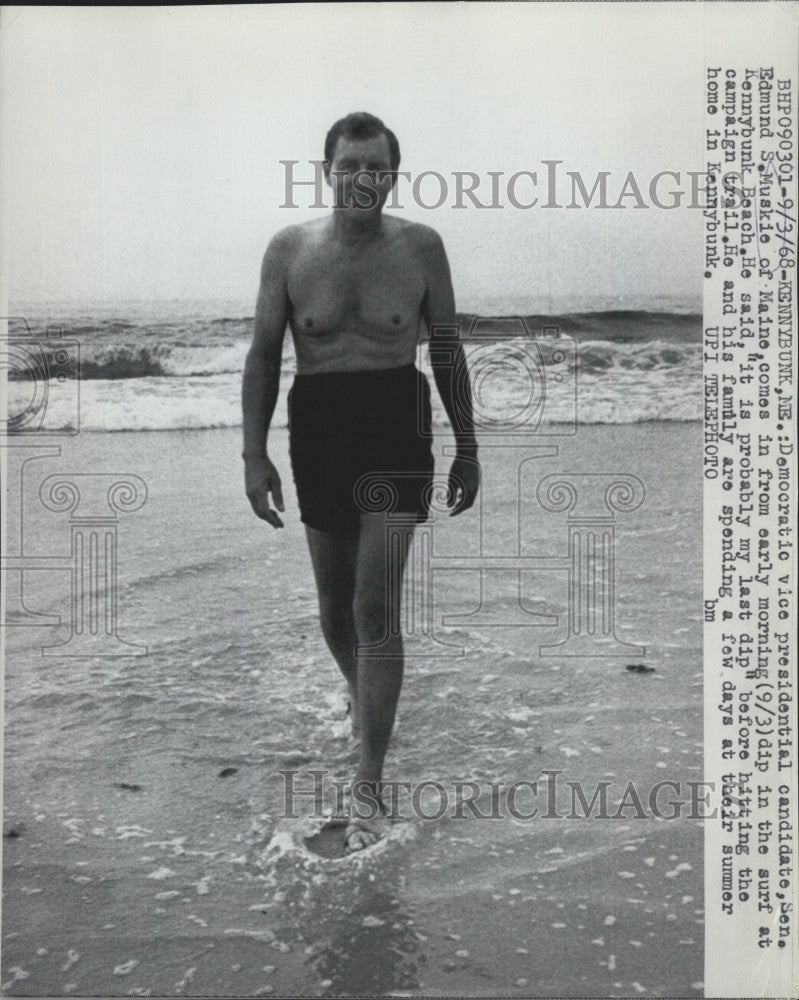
(176, 365)
(147, 851)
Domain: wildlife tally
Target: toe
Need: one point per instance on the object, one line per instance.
(354, 843)
(359, 840)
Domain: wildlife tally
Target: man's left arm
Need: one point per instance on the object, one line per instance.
(448, 361)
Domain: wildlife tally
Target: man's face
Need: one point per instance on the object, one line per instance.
(360, 173)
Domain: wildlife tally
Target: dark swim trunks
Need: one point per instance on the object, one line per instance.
(344, 426)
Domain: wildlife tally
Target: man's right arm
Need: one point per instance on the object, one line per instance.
(262, 379)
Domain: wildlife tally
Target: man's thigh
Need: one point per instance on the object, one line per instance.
(382, 556)
(334, 556)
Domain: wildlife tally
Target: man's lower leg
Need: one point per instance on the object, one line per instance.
(379, 685)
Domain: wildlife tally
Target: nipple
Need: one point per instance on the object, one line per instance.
(396, 319)
(309, 322)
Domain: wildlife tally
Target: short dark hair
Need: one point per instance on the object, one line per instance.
(361, 125)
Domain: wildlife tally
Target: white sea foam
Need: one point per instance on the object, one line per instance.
(628, 368)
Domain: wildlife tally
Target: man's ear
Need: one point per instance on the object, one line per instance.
(326, 171)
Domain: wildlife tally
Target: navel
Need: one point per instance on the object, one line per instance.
(309, 323)
(396, 319)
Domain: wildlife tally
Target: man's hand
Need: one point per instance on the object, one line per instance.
(464, 482)
(260, 479)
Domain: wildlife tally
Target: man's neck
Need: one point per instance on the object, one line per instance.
(357, 227)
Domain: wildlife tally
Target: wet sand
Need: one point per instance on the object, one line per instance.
(144, 851)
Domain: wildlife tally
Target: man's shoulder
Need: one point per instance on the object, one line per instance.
(292, 238)
(423, 238)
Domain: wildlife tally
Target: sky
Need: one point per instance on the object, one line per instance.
(142, 146)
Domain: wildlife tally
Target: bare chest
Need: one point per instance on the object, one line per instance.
(376, 293)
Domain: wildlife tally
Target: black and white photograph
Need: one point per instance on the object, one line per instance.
(399, 496)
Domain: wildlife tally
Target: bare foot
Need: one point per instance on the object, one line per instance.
(368, 822)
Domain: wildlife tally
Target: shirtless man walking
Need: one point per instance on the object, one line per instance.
(358, 290)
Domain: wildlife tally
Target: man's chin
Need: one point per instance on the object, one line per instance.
(353, 208)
